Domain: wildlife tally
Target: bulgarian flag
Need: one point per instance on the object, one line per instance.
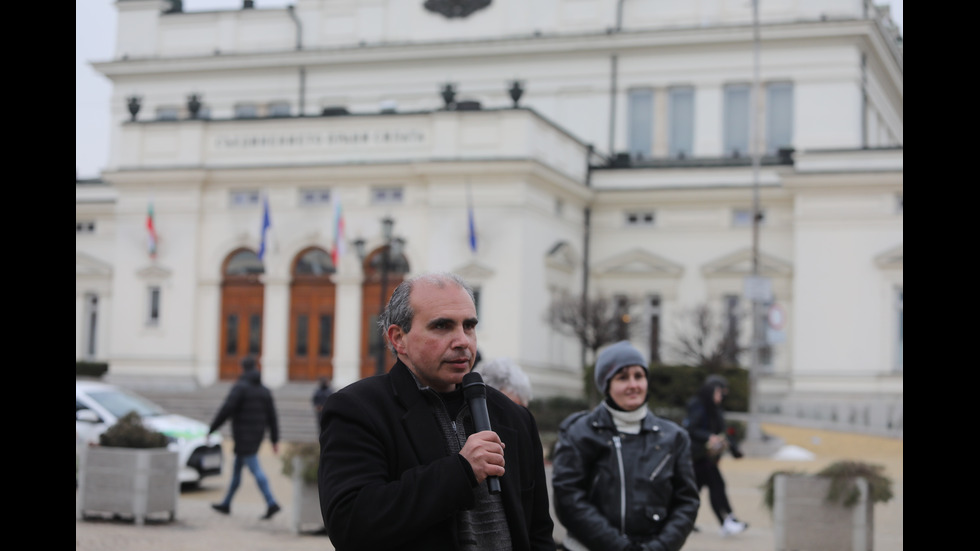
(338, 233)
(151, 231)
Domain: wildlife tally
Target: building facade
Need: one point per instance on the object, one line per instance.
(668, 155)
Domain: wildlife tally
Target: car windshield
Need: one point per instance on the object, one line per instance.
(120, 403)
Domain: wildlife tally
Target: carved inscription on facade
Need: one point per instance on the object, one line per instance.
(364, 138)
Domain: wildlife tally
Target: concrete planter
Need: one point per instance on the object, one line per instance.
(804, 520)
(306, 501)
(126, 481)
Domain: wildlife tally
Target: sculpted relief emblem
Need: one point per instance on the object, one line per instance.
(455, 8)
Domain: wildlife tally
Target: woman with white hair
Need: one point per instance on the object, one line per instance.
(506, 376)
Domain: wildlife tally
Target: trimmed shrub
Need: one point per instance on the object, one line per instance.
(90, 369)
(130, 432)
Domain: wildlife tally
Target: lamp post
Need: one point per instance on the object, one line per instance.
(391, 250)
(753, 431)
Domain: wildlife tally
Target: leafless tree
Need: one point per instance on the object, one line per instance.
(702, 340)
(594, 322)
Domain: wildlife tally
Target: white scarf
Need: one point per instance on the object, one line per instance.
(629, 422)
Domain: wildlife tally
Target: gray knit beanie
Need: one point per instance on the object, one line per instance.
(613, 358)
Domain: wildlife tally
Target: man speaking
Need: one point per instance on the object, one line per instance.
(402, 465)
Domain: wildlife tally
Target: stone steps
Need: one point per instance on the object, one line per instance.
(293, 407)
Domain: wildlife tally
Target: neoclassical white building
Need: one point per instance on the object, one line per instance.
(624, 168)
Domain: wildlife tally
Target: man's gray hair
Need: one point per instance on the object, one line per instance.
(399, 309)
(506, 376)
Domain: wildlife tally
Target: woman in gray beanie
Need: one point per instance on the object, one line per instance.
(622, 476)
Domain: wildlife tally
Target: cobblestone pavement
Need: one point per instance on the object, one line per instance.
(198, 528)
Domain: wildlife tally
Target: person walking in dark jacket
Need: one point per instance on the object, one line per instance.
(622, 476)
(705, 422)
(251, 409)
(401, 464)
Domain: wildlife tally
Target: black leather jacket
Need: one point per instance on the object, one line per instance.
(617, 491)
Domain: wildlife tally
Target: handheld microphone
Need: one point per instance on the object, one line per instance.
(476, 394)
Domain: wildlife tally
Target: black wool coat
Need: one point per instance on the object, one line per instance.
(388, 481)
(250, 406)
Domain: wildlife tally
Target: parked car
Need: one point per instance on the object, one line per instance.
(99, 405)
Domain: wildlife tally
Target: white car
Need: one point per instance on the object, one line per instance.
(99, 405)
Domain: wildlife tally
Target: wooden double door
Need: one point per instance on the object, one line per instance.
(311, 330)
(241, 325)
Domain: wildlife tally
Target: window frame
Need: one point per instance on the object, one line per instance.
(736, 113)
(779, 124)
(640, 121)
(680, 116)
(154, 304)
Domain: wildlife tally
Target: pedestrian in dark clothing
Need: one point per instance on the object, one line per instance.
(401, 464)
(323, 390)
(705, 423)
(250, 406)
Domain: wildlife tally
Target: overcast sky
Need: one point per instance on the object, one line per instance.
(95, 31)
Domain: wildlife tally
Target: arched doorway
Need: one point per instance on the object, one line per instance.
(372, 304)
(242, 297)
(311, 316)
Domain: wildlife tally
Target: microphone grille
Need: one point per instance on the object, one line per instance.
(473, 386)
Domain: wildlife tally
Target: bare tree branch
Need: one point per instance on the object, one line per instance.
(702, 341)
(594, 322)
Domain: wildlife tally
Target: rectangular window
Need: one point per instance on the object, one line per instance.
(326, 332)
(736, 120)
(312, 197)
(302, 335)
(640, 113)
(84, 226)
(244, 198)
(153, 305)
(254, 334)
(680, 141)
(742, 218)
(639, 218)
(779, 116)
(386, 196)
(231, 335)
(167, 113)
(654, 305)
(246, 111)
(279, 109)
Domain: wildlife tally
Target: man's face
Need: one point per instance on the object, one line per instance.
(442, 343)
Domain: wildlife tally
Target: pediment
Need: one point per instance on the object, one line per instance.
(91, 266)
(892, 259)
(474, 272)
(739, 264)
(638, 262)
(154, 272)
(562, 257)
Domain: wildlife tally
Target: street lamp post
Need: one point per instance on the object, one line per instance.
(390, 251)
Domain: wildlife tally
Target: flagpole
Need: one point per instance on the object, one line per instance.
(471, 223)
